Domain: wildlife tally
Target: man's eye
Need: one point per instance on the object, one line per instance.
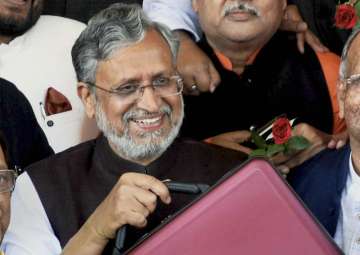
(127, 89)
(162, 81)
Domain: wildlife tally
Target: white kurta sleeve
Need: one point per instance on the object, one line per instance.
(29, 232)
(176, 14)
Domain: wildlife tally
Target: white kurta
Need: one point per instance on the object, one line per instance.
(39, 59)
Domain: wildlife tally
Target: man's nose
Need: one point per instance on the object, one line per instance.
(149, 100)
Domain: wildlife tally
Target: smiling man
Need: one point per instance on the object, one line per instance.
(128, 82)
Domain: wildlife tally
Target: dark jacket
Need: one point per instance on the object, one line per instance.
(25, 141)
(86, 173)
(320, 181)
(280, 81)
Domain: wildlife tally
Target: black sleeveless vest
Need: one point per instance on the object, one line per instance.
(280, 81)
(73, 183)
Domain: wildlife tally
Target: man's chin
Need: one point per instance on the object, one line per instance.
(150, 140)
(17, 23)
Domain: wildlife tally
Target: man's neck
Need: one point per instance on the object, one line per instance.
(237, 52)
(5, 39)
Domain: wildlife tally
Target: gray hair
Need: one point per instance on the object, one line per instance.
(118, 26)
(344, 56)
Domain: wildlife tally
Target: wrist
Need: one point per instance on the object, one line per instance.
(87, 241)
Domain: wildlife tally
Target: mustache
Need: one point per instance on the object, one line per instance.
(238, 5)
(140, 113)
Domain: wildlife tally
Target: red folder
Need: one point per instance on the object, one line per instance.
(251, 211)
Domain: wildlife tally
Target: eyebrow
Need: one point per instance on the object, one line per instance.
(125, 81)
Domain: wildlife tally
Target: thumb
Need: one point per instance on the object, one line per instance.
(239, 136)
(214, 78)
(294, 26)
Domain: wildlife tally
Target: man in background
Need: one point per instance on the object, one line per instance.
(35, 56)
(263, 76)
(329, 184)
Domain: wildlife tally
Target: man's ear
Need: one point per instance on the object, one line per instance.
(87, 98)
(195, 5)
(341, 93)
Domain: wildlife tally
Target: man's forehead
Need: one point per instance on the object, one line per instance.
(152, 54)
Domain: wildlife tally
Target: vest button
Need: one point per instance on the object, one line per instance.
(50, 123)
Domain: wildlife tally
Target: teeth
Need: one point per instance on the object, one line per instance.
(148, 121)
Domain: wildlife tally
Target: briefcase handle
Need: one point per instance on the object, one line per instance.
(176, 187)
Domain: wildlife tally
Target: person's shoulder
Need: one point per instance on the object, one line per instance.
(9, 93)
(7, 88)
(328, 164)
(65, 161)
(57, 22)
(55, 30)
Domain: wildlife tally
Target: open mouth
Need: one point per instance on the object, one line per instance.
(149, 124)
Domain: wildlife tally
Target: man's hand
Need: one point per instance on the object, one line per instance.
(232, 140)
(293, 22)
(339, 140)
(319, 141)
(195, 67)
(131, 201)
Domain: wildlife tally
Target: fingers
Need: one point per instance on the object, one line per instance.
(237, 136)
(314, 42)
(232, 140)
(336, 144)
(202, 77)
(300, 38)
(137, 220)
(339, 140)
(297, 26)
(233, 146)
(284, 170)
(280, 159)
(144, 201)
(139, 206)
(147, 182)
(214, 78)
(195, 67)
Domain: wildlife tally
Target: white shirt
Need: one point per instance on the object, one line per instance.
(347, 234)
(29, 232)
(176, 14)
(39, 59)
